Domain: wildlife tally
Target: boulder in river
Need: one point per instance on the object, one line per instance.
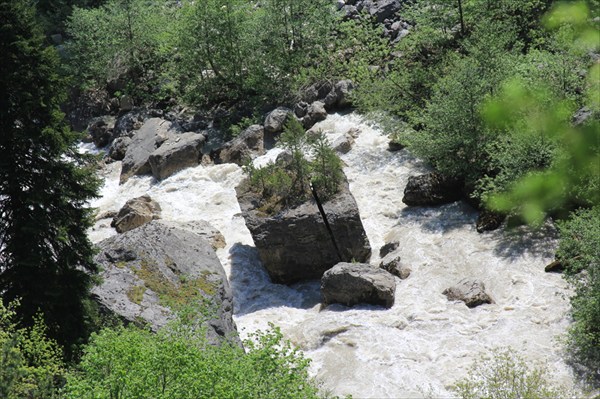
(354, 283)
(431, 189)
(135, 213)
(153, 133)
(248, 144)
(296, 244)
(150, 271)
(471, 292)
(178, 152)
(395, 266)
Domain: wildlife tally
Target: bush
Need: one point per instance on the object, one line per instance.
(506, 376)
(178, 362)
(131, 39)
(286, 184)
(30, 363)
(579, 251)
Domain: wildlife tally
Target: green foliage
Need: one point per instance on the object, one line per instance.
(46, 259)
(288, 183)
(232, 50)
(579, 251)
(506, 376)
(178, 362)
(131, 39)
(30, 363)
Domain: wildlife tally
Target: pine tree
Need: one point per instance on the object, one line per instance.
(46, 259)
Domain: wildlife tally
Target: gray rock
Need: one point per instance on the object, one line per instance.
(129, 122)
(384, 9)
(393, 265)
(582, 116)
(300, 109)
(295, 244)
(388, 248)
(275, 121)
(343, 144)
(144, 142)
(135, 213)
(126, 103)
(118, 148)
(354, 283)
(148, 271)
(471, 292)
(343, 90)
(201, 228)
(431, 189)
(177, 153)
(315, 113)
(249, 144)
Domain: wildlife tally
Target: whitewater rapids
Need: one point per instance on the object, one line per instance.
(424, 343)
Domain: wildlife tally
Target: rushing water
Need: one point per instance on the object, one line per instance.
(424, 343)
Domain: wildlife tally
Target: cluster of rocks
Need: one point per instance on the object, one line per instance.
(384, 12)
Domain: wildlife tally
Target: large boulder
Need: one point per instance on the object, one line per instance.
(339, 96)
(248, 144)
(179, 152)
(275, 121)
(471, 292)
(155, 269)
(431, 189)
(295, 244)
(135, 213)
(145, 141)
(315, 113)
(354, 283)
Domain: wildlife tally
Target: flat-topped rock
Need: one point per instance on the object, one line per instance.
(353, 283)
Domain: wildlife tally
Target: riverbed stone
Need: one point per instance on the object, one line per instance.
(153, 133)
(135, 213)
(470, 291)
(295, 244)
(431, 189)
(149, 271)
(177, 153)
(353, 283)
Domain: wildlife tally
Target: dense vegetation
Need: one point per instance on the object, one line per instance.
(485, 91)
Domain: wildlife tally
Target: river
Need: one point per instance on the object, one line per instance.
(424, 343)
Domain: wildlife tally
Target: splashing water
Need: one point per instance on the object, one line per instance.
(424, 343)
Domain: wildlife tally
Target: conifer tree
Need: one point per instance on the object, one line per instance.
(45, 255)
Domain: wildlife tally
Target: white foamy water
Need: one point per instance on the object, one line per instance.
(424, 343)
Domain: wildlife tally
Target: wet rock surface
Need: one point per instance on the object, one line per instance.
(471, 292)
(353, 283)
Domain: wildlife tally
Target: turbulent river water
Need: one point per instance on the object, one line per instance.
(424, 343)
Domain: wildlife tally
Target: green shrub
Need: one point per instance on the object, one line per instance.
(178, 362)
(506, 376)
(287, 184)
(579, 251)
(31, 364)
